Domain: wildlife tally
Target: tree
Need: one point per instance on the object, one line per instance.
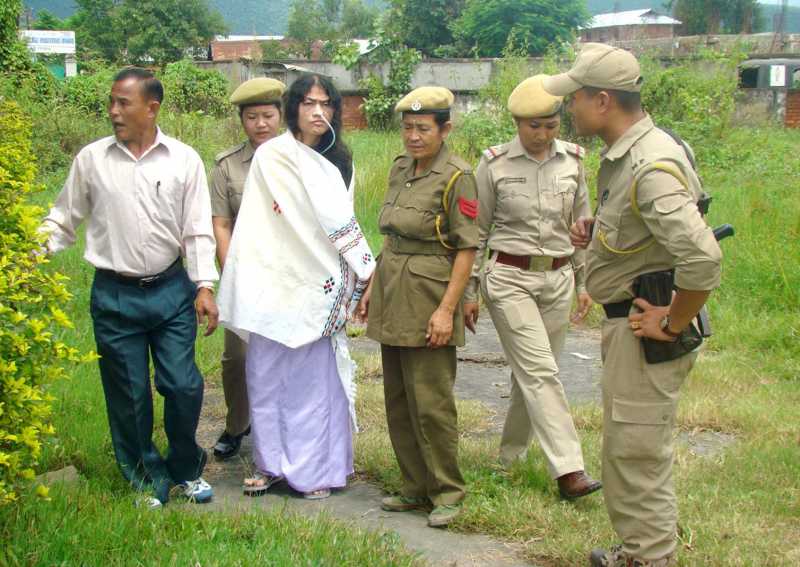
(46, 20)
(713, 16)
(307, 23)
(425, 24)
(164, 30)
(358, 19)
(144, 31)
(489, 25)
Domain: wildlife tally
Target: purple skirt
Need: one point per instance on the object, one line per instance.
(299, 414)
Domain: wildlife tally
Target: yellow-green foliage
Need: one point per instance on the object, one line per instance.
(31, 356)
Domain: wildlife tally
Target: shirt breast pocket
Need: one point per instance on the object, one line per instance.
(414, 212)
(513, 199)
(168, 199)
(564, 189)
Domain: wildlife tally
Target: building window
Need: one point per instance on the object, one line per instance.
(748, 78)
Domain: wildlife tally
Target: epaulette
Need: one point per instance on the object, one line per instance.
(229, 152)
(494, 152)
(575, 149)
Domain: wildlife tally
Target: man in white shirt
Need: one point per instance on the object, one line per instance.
(145, 198)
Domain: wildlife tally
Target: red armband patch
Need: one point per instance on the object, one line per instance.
(468, 208)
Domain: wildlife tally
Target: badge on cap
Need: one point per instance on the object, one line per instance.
(416, 106)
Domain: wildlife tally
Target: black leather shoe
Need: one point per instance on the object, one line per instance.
(228, 445)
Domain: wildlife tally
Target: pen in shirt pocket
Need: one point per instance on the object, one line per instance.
(158, 186)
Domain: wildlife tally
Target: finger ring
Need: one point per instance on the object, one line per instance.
(636, 325)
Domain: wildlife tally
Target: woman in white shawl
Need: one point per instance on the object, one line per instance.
(297, 266)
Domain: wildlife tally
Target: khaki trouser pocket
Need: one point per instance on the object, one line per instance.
(641, 430)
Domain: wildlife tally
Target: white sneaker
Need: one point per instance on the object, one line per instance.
(148, 503)
(197, 490)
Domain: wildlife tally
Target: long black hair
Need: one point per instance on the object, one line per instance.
(339, 154)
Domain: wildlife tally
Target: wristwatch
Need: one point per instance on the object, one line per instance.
(667, 330)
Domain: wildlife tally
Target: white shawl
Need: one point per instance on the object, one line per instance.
(298, 262)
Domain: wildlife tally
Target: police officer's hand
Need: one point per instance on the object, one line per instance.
(471, 311)
(580, 233)
(584, 305)
(440, 328)
(648, 322)
(206, 309)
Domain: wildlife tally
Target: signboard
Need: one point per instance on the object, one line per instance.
(777, 75)
(47, 41)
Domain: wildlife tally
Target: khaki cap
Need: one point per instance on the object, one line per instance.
(262, 90)
(425, 100)
(530, 100)
(601, 66)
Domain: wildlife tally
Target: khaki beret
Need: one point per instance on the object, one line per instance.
(262, 90)
(601, 66)
(530, 100)
(426, 100)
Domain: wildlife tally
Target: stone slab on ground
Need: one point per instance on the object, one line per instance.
(67, 475)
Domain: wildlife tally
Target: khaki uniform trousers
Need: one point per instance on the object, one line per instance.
(639, 405)
(423, 424)
(530, 310)
(234, 384)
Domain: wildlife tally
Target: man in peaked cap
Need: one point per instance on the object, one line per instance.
(647, 221)
(259, 102)
(531, 189)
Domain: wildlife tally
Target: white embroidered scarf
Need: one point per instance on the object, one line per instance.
(298, 262)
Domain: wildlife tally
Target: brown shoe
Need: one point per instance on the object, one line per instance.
(576, 484)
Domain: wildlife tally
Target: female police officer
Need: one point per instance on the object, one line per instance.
(259, 102)
(414, 303)
(530, 190)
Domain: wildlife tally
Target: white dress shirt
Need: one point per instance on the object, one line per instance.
(142, 213)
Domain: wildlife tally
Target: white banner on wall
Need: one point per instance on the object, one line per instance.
(47, 41)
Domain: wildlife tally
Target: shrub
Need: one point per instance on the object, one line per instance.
(187, 88)
(30, 313)
(89, 91)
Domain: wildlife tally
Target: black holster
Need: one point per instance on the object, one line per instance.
(656, 288)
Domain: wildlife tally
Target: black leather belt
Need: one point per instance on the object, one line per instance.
(147, 281)
(619, 309)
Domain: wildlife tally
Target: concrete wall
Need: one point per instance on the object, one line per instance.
(755, 107)
(459, 75)
(686, 46)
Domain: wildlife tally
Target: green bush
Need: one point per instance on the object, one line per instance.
(89, 91)
(695, 99)
(30, 313)
(187, 88)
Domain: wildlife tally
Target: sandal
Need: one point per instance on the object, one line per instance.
(259, 483)
(320, 494)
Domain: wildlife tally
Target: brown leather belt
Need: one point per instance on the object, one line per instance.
(532, 263)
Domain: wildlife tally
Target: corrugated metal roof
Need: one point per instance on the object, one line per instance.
(630, 18)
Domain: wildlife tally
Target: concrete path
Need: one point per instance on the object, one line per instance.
(483, 376)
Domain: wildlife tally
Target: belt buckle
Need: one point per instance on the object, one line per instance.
(148, 281)
(540, 264)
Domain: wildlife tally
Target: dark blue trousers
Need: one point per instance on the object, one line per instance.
(133, 325)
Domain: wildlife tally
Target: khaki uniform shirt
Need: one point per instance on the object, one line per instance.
(527, 206)
(413, 270)
(227, 180)
(667, 232)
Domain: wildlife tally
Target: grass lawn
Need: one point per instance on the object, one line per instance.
(741, 507)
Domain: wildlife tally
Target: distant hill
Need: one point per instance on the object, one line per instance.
(269, 17)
